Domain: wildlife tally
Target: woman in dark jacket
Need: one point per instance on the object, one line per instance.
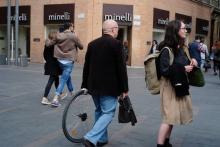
(51, 67)
(176, 105)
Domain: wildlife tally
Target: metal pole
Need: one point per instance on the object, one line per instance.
(8, 30)
(16, 30)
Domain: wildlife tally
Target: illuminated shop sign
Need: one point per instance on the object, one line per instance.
(161, 18)
(64, 16)
(59, 13)
(126, 17)
(123, 14)
(24, 15)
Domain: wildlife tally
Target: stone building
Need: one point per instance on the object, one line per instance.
(140, 21)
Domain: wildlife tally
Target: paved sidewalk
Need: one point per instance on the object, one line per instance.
(27, 123)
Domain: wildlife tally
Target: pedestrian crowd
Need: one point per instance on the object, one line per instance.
(105, 75)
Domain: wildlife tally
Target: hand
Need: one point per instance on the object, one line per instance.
(193, 62)
(85, 91)
(188, 68)
(123, 95)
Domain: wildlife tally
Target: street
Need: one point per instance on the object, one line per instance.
(25, 122)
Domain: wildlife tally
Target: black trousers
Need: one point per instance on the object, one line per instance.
(52, 79)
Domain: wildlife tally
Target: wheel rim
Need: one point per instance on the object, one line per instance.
(78, 117)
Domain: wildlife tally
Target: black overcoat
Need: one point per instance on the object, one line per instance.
(105, 72)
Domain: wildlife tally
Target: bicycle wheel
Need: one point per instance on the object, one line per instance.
(78, 117)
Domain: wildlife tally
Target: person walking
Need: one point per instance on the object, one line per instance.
(66, 52)
(216, 59)
(126, 50)
(51, 67)
(176, 105)
(195, 50)
(213, 49)
(204, 53)
(105, 77)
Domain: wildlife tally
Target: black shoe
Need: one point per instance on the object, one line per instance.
(167, 143)
(87, 143)
(100, 144)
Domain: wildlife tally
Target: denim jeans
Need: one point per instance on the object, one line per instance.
(104, 113)
(65, 78)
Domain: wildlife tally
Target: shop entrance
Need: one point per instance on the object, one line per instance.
(124, 35)
(23, 41)
(158, 35)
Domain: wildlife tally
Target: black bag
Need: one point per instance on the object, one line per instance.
(196, 77)
(126, 113)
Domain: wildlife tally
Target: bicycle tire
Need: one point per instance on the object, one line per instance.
(74, 129)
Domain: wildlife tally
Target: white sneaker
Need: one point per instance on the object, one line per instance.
(55, 102)
(45, 101)
(63, 96)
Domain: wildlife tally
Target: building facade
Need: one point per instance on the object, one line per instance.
(140, 21)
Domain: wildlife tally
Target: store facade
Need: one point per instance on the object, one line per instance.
(139, 23)
(24, 31)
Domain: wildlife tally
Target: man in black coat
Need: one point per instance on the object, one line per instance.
(105, 77)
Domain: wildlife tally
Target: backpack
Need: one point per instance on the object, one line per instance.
(151, 74)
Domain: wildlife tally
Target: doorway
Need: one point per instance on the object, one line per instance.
(124, 35)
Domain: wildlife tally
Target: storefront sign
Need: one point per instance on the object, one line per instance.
(24, 15)
(202, 26)
(59, 13)
(186, 19)
(123, 14)
(161, 18)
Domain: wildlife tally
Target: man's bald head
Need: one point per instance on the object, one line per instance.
(109, 26)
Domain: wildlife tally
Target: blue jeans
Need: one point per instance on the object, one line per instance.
(65, 78)
(104, 113)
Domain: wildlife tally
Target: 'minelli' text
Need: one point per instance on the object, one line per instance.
(64, 16)
(126, 17)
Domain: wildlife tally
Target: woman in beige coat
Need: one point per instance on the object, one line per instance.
(176, 105)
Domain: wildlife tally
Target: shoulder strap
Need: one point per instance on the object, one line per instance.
(170, 54)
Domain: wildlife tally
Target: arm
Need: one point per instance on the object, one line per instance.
(164, 63)
(49, 42)
(78, 42)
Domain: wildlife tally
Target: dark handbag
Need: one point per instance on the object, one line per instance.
(126, 113)
(196, 77)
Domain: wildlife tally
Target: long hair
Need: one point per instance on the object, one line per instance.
(52, 35)
(172, 38)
